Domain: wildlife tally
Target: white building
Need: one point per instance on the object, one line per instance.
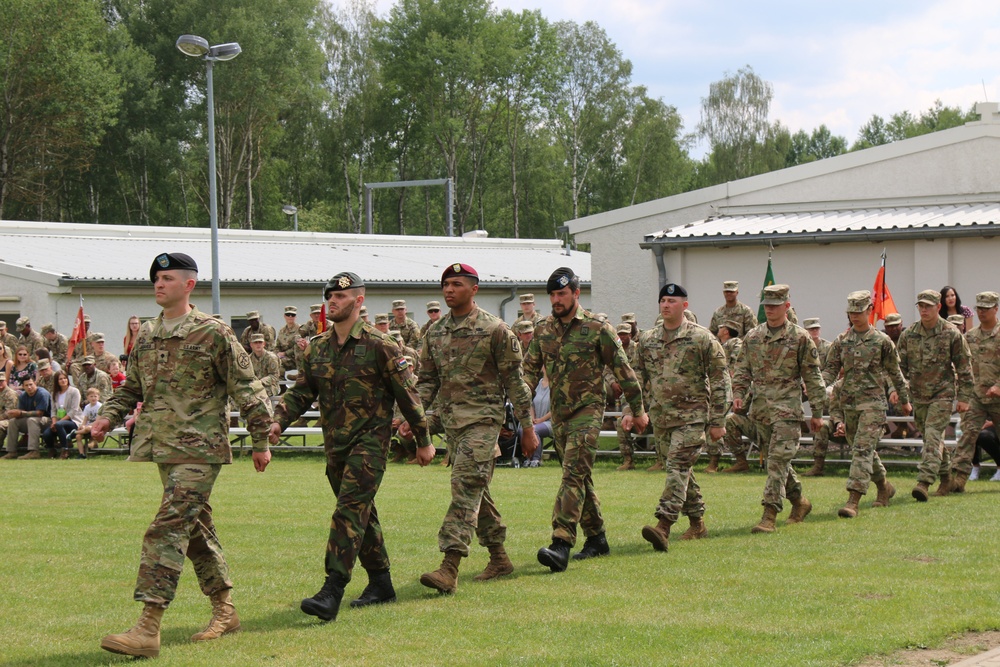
(932, 202)
(46, 267)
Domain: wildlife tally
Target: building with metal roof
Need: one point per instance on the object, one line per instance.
(46, 267)
(932, 203)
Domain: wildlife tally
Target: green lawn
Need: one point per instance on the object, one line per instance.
(827, 592)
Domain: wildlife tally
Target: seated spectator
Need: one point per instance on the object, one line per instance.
(45, 377)
(66, 416)
(42, 353)
(990, 443)
(543, 419)
(951, 304)
(24, 368)
(8, 400)
(116, 375)
(6, 359)
(32, 415)
(89, 415)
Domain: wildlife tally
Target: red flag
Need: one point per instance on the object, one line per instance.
(881, 298)
(79, 333)
(321, 327)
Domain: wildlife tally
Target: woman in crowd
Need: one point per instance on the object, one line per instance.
(951, 304)
(131, 334)
(66, 415)
(6, 362)
(541, 402)
(24, 368)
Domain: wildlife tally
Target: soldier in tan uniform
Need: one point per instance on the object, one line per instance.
(29, 338)
(402, 323)
(8, 401)
(255, 325)
(528, 311)
(55, 343)
(91, 376)
(286, 341)
(814, 329)
(7, 338)
(733, 309)
(382, 322)
(728, 335)
(102, 358)
(433, 315)
(266, 366)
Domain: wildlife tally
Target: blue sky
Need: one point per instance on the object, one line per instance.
(829, 62)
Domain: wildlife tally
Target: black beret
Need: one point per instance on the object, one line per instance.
(342, 281)
(560, 278)
(459, 270)
(169, 261)
(672, 289)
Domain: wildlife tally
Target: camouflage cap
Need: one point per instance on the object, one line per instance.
(364, 311)
(257, 338)
(43, 364)
(86, 318)
(253, 315)
(22, 322)
(987, 300)
(397, 335)
(811, 323)
(957, 320)
(97, 337)
(433, 305)
(735, 325)
(382, 318)
(3, 325)
(316, 308)
(291, 310)
(859, 302)
(48, 328)
(930, 297)
(526, 298)
(629, 317)
(523, 327)
(87, 360)
(624, 328)
(775, 295)
(731, 286)
(398, 303)
(893, 319)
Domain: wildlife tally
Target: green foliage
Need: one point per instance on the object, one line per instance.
(816, 146)
(904, 125)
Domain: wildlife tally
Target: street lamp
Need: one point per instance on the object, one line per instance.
(197, 47)
(290, 210)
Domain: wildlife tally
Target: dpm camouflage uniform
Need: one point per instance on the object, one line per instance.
(356, 384)
(574, 356)
(869, 361)
(777, 364)
(985, 349)
(689, 387)
(184, 380)
(468, 364)
(932, 360)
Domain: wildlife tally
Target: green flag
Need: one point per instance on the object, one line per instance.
(768, 281)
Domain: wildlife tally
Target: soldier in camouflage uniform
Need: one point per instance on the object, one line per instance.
(286, 341)
(91, 376)
(814, 328)
(574, 347)
(405, 449)
(102, 358)
(254, 325)
(433, 315)
(469, 362)
(684, 367)
(405, 325)
(625, 442)
(867, 358)
(528, 311)
(8, 401)
(733, 309)
(357, 373)
(777, 358)
(55, 343)
(184, 368)
(984, 346)
(933, 355)
(45, 377)
(266, 366)
(7, 338)
(728, 335)
(28, 338)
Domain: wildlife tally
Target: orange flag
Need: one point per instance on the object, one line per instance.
(881, 298)
(321, 327)
(79, 333)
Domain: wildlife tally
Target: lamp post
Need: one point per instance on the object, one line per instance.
(293, 212)
(197, 47)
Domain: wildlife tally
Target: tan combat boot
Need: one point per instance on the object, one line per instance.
(766, 524)
(819, 462)
(628, 464)
(498, 566)
(658, 535)
(800, 510)
(920, 491)
(697, 529)
(713, 464)
(740, 464)
(143, 639)
(944, 488)
(656, 467)
(445, 578)
(224, 618)
(885, 493)
(850, 510)
(958, 481)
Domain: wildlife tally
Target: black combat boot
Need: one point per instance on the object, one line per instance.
(595, 545)
(555, 556)
(326, 603)
(379, 590)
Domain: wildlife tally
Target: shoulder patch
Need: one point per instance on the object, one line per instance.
(402, 364)
(243, 360)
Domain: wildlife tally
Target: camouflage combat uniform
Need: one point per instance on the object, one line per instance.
(8, 401)
(32, 341)
(932, 360)
(57, 348)
(868, 361)
(731, 348)
(266, 330)
(99, 379)
(574, 356)
(740, 313)
(985, 350)
(356, 384)
(410, 331)
(286, 343)
(689, 391)
(184, 380)
(777, 364)
(469, 363)
(267, 369)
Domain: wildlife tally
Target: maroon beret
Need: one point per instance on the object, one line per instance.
(459, 270)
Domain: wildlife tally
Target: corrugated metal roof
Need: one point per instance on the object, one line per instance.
(115, 253)
(837, 225)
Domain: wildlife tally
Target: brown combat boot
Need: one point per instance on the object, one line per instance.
(920, 491)
(885, 493)
(498, 566)
(143, 639)
(658, 535)
(958, 481)
(713, 465)
(740, 464)
(445, 578)
(944, 488)
(10, 455)
(766, 524)
(850, 510)
(819, 462)
(656, 467)
(224, 618)
(800, 510)
(697, 529)
(629, 464)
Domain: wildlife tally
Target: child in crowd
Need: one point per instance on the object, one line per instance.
(117, 377)
(89, 415)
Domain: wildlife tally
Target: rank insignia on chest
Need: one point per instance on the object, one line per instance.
(162, 356)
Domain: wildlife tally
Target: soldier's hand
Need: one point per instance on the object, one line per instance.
(529, 442)
(616, 390)
(815, 424)
(961, 406)
(840, 431)
(274, 433)
(99, 428)
(261, 459)
(716, 432)
(737, 404)
(405, 431)
(639, 424)
(906, 409)
(993, 391)
(425, 454)
(626, 423)
(893, 398)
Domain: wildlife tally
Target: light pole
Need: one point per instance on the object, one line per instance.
(197, 47)
(290, 210)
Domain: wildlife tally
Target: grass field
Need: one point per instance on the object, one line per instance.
(827, 592)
